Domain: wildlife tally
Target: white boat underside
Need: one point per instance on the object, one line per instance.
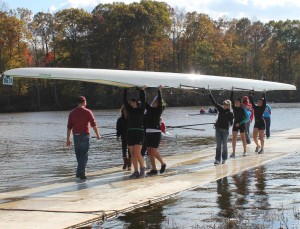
(124, 78)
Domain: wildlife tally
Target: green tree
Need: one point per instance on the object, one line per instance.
(72, 28)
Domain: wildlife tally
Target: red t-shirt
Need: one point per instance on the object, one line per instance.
(79, 120)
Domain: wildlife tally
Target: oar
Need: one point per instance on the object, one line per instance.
(106, 135)
(189, 128)
(110, 134)
(108, 127)
(199, 124)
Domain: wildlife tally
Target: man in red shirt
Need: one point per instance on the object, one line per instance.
(79, 122)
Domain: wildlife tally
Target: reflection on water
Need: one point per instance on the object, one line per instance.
(241, 182)
(250, 199)
(148, 219)
(224, 198)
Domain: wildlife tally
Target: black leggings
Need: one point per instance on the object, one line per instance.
(125, 149)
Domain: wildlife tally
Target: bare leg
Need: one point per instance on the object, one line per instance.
(234, 138)
(243, 137)
(157, 155)
(137, 151)
(152, 159)
(255, 133)
(262, 138)
(133, 158)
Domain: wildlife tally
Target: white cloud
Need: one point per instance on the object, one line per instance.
(52, 9)
(260, 9)
(82, 3)
(264, 4)
(242, 2)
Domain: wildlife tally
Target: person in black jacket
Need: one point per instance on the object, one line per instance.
(224, 121)
(121, 128)
(135, 131)
(259, 125)
(240, 120)
(153, 132)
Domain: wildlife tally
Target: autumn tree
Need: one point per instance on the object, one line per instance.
(72, 29)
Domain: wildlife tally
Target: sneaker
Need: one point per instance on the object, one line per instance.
(224, 161)
(163, 168)
(232, 155)
(261, 151)
(83, 177)
(257, 149)
(245, 154)
(152, 172)
(216, 162)
(142, 172)
(134, 175)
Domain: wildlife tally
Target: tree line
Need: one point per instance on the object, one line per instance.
(145, 35)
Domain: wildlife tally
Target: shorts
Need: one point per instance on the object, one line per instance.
(241, 128)
(260, 124)
(153, 139)
(135, 137)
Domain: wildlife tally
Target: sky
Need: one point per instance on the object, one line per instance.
(262, 10)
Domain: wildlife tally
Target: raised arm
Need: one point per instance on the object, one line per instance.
(264, 100)
(212, 99)
(231, 99)
(125, 97)
(143, 97)
(159, 99)
(251, 101)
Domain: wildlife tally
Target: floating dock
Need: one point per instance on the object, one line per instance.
(71, 203)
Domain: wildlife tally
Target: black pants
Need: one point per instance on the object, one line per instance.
(125, 149)
(268, 125)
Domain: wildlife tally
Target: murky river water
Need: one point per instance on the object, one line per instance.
(263, 197)
(32, 151)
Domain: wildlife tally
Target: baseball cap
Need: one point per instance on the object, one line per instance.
(245, 98)
(81, 99)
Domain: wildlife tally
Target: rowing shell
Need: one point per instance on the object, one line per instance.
(125, 78)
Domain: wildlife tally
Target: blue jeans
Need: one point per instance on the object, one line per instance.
(221, 139)
(268, 125)
(82, 144)
(247, 133)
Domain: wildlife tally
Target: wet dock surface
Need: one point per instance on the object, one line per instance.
(66, 202)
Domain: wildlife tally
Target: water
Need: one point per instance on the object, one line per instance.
(32, 151)
(32, 145)
(262, 197)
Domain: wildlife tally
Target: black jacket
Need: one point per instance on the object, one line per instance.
(152, 116)
(121, 127)
(240, 114)
(259, 111)
(135, 115)
(225, 116)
